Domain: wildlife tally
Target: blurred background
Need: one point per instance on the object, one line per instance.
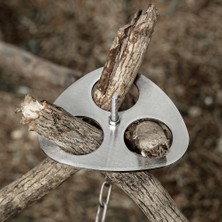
(184, 58)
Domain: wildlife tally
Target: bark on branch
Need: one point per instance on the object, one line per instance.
(145, 190)
(125, 58)
(79, 137)
(28, 66)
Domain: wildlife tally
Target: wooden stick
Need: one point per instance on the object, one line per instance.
(137, 183)
(79, 137)
(28, 66)
(124, 58)
(32, 186)
(142, 187)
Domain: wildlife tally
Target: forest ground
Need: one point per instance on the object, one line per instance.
(184, 58)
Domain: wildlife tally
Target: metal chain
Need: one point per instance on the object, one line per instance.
(103, 203)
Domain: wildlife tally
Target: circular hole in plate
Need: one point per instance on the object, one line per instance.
(149, 138)
(131, 98)
(92, 136)
(129, 101)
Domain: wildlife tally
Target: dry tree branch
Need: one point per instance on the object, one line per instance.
(142, 187)
(28, 66)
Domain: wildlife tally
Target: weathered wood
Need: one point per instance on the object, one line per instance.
(124, 58)
(26, 65)
(78, 136)
(32, 186)
(121, 68)
(142, 187)
(49, 120)
(69, 132)
(148, 138)
(149, 195)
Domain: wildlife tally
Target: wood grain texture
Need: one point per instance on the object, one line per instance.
(57, 125)
(29, 66)
(32, 186)
(148, 138)
(147, 192)
(49, 121)
(125, 57)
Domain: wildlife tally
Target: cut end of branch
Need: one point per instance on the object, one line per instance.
(30, 109)
(148, 138)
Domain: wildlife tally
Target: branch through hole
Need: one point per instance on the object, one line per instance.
(149, 138)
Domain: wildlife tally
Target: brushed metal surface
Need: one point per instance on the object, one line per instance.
(113, 154)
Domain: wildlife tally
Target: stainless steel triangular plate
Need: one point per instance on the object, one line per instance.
(113, 154)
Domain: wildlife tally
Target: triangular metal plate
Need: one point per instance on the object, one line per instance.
(113, 154)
